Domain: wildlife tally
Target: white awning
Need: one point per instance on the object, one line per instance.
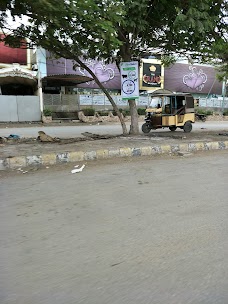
(17, 75)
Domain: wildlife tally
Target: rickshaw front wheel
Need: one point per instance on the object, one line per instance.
(146, 128)
(187, 127)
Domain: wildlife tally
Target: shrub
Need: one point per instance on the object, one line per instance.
(209, 112)
(201, 111)
(126, 112)
(225, 113)
(141, 111)
(47, 112)
(204, 112)
(102, 113)
(88, 111)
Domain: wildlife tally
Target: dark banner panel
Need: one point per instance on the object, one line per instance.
(151, 75)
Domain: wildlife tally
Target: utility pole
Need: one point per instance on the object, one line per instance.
(40, 91)
(223, 93)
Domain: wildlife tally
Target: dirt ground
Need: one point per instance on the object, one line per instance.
(32, 146)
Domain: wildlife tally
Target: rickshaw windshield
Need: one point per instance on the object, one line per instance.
(155, 101)
(163, 101)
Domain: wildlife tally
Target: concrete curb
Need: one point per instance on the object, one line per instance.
(74, 156)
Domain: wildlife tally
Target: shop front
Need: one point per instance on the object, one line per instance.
(19, 100)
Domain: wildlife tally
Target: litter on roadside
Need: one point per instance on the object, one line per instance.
(77, 170)
(13, 136)
(22, 171)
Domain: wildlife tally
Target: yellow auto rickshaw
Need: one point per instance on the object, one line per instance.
(174, 110)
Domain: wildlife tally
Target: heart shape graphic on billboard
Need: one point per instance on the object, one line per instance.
(104, 74)
(195, 79)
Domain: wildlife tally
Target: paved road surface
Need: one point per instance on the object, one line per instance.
(75, 131)
(147, 231)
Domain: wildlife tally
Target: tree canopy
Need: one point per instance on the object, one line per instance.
(110, 29)
(65, 27)
(122, 30)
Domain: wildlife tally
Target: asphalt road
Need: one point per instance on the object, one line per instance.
(113, 129)
(143, 231)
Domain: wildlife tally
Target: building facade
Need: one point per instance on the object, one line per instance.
(199, 80)
(31, 80)
(19, 94)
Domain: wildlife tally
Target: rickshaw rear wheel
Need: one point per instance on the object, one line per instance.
(187, 127)
(146, 128)
(172, 128)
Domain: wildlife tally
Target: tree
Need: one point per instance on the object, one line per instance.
(124, 30)
(69, 29)
(171, 27)
(220, 50)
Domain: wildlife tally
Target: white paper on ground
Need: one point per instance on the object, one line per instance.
(78, 170)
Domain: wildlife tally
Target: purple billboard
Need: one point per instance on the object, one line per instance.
(192, 79)
(108, 74)
(177, 78)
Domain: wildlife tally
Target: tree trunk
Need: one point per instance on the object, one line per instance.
(134, 128)
(120, 116)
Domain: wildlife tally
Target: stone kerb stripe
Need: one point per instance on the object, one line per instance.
(125, 152)
(74, 156)
(4, 164)
(166, 148)
(49, 159)
(34, 160)
(17, 162)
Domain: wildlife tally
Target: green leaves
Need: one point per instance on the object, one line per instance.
(127, 27)
(68, 26)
